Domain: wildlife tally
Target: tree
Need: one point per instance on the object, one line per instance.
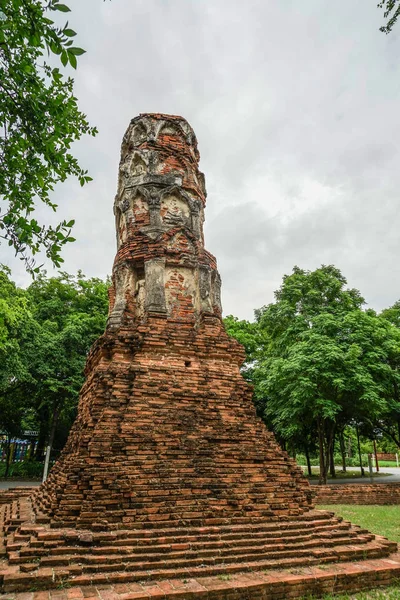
(13, 371)
(71, 312)
(39, 121)
(325, 361)
(45, 335)
(389, 421)
(392, 12)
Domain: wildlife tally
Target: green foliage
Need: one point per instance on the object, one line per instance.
(53, 324)
(391, 12)
(247, 334)
(381, 520)
(39, 121)
(319, 362)
(71, 313)
(13, 367)
(23, 470)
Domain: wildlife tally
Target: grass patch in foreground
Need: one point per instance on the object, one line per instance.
(389, 593)
(381, 520)
(352, 474)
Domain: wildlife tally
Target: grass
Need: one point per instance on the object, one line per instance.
(387, 593)
(382, 520)
(349, 475)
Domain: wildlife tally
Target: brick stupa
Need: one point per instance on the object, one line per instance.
(167, 470)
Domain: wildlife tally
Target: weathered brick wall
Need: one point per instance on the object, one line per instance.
(385, 456)
(167, 433)
(11, 494)
(380, 493)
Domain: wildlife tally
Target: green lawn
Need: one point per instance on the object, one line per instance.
(390, 593)
(350, 474)
(382, 520)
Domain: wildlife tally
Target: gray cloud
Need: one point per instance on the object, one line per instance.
(295, 108)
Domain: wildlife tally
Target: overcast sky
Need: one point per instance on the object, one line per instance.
(295, 105)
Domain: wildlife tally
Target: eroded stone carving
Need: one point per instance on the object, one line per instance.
(154, 292)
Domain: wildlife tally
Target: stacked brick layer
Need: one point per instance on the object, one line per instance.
(39, 556)
(307, 582)
(8, 496)
(167, 433)
(381, 493)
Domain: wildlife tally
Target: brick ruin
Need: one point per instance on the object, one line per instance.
(167, 471)
(364, 493)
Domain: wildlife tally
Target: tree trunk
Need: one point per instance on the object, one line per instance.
(321, 442)
(308, 459)
(376, 457)
(332, 458)
(350, 449)
(343, 450)
(359, 452)
(43, 415)
(8, 456)
(29, 454)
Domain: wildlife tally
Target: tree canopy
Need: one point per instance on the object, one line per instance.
(39, 121)
(391, 13)
(52, 325)
(319, 362)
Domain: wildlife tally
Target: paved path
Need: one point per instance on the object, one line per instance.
(5, 484)
(393, 477)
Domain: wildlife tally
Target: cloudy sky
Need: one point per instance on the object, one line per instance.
(296, 109)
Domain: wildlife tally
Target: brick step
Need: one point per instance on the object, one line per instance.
(203, 522)
(255, 583)
(218, 525)
(47, 538)
(186, 558)
(49, 577)
(58, 546)
(151, 545)
(229, 534)
(40, 536)
(167, 550)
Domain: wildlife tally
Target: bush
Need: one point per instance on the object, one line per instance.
(25, 469)
(350, 462)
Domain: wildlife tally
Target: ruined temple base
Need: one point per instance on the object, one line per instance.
(290, 557)
(300, 582)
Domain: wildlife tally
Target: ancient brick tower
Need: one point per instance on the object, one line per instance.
(166, 430)
(168, 480)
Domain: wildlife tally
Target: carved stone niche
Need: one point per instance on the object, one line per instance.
(123, 281)
(196, 212)
(123, 216)
(216, 291)
(155, 285)
(139, 134)
(175, 210)
(140, 208)
(133, 167)
(205, 288)
(169, 128)
(140, 291)
(153, 199)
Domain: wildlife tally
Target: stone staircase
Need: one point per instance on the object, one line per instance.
(39, 556)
